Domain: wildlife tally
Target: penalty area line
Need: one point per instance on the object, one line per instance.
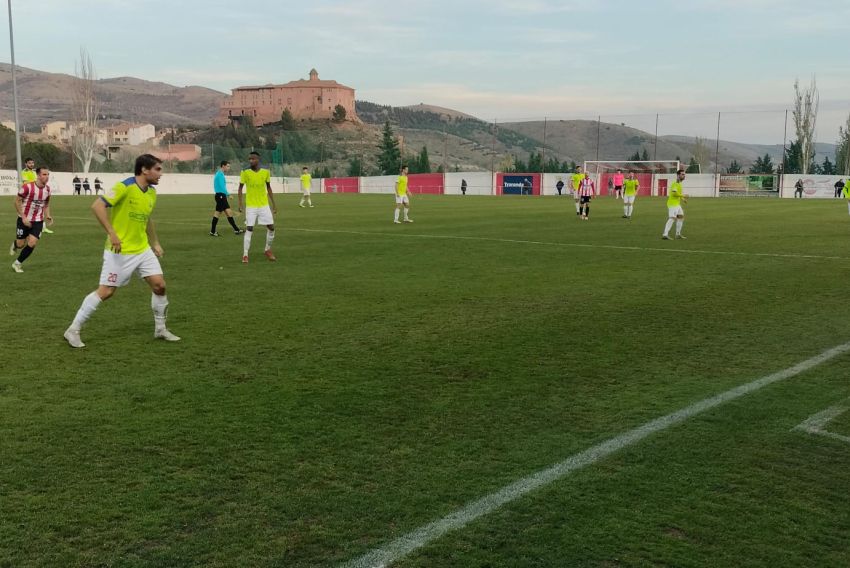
(406, 544)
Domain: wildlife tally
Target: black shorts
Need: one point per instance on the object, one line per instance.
(618, 188)
(221, 203)
(585, 199)
(22, 231)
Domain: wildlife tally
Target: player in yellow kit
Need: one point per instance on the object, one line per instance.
(575, 184)
(257, 182)
(402, 196)
(132, 246)
(675, 213)
(306, 185)
(630, 189)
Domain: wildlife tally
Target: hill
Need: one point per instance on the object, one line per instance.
(48, 96)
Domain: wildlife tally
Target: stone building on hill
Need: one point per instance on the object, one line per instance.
(310, 99)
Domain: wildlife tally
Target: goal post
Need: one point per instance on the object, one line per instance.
(603, 173)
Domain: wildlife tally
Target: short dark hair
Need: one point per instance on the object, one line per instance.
(254, 154)
(404, 167)
(680, 171)
(304, 168)
(28, 160)
(224, 163)
(146, 162)
(39, 168)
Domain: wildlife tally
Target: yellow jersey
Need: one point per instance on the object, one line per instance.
(130, 207)
(306, 182)
(576, 180)
(401, 184)
(674, 196)
(630, 186)
(255, 187)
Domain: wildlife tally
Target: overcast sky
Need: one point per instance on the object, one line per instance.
(505, 59)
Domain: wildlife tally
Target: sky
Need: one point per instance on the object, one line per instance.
(497, 59)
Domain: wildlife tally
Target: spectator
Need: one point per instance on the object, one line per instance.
(559, 186)
(86, 186)
(526, 187)
(463, 186)
(98, 186)
(798, 189)
(77, 185)
(839, 186)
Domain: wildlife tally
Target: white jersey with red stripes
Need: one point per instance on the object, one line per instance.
(587, 188)
(33, 201)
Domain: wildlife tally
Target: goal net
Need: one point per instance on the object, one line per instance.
(605, 172)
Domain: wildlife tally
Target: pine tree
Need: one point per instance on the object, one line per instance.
(693, 166)
(644, 155)
(355, 167)
(827, 168)
(389, 159)
(734, 168)
(287, 121)
(762, 165)
(424, 162)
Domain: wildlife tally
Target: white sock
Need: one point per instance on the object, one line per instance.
(668, 226)
(405, 213)
(159, 305)
(89, 305)
(246, 241)
(631, 210)
(396, 215)
(269, 239)
(679, 223)
(309, 202)
(848, 207)
(626, 210)
(578, 207)
(302, 202)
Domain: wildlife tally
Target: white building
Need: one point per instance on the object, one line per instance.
(64, 132)
(130, 134)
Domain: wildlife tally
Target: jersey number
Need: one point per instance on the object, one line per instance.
(112, 278)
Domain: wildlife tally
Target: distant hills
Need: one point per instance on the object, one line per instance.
(455, 138)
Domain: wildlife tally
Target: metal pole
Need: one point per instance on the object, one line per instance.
(784, 143)
(543, 153)
(655, 148)
(598, 129)
(493, 162)
(15, 95)
(445, 150)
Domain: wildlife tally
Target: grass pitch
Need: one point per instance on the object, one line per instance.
(378, 377)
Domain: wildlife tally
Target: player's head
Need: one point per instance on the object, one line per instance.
(631, 175)
(304, 170)
(29, 163)
(578, 169)
(225, 166)
(404, 170)
(619, 171)
(149, 167)
(680, 175)
(43, 175)
(254, 160)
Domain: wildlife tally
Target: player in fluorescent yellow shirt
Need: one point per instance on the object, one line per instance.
(402, 197)
(257, 182)
(306, 185)
(675, 213)
(132, 246)
(845, 193)
(575, 184)
(630, 189)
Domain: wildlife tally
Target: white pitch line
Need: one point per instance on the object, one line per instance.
(404, 545)
(526, 242)
(816, 424)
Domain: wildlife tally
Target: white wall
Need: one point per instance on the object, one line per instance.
(378, 184)
(695, 185)
(814, 187)
(549, 181)
(477, 183)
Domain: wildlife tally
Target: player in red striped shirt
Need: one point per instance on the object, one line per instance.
(33, 206)
(586, 191)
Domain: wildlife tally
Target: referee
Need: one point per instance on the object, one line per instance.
(221, 204)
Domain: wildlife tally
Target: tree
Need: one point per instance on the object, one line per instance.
(700, 152)
(644, 155)
(805, 115)
(762, 165)
(389, 159)
(827, 168)
(535, 162)
(842, 150)
(287, 121)
(423, 162)
(47, 155)
(355, 167)
(693, 166)
(794, 159)
(339, 113)
(734, 168)
(634, 157)
(86, 109)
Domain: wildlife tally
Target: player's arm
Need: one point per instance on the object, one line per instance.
(397, 194)
(239, 195)
(153, 239)
(102, 215)
(48, 216)
(271, 196)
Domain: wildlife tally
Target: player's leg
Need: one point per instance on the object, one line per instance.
(32, 236)
(236, 230)
(159, 305)
(309, 200)
(397, 213)
(578, 203)
(214, 224)
(116, 272)
(587, 209)
(671, 218)
(848, 205)
(269, 241)
(251, 215)
(680, 220)
(406, 204)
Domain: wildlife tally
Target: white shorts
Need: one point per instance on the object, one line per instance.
(306, 192)
(675, 211)
(118, 268)
(258, 216)
(402, 199)
(629, 199)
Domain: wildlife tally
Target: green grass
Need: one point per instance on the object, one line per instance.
(366, 384)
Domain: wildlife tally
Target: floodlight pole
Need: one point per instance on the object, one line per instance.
(717, 154)
(543, 154)
(598, 130)
(15, 94)
(655, 146)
